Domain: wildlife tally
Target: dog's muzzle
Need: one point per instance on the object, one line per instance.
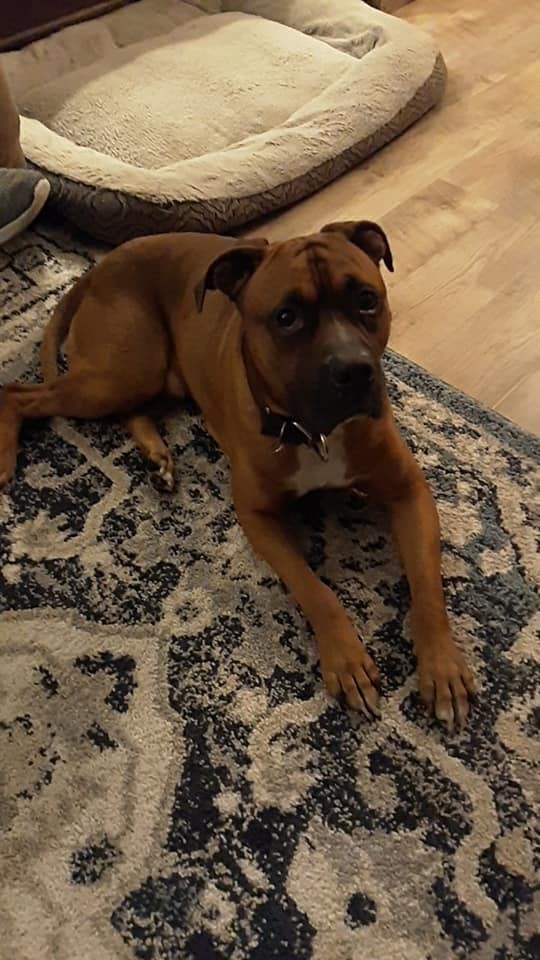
(345, 388)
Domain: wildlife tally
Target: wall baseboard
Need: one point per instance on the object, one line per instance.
(21, 23)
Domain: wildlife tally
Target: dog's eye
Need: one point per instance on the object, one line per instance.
(289, 320)
(366, 301)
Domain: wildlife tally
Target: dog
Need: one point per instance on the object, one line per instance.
(280, 346)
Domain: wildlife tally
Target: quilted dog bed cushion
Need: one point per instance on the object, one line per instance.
(169, 115)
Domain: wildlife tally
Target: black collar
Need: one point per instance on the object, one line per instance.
(289, 431)
(284, 428)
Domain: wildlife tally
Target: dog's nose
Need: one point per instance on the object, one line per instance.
(351, 375)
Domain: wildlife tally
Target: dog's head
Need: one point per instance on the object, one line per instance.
(316, 319)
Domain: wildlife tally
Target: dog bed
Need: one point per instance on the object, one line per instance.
(169, 115)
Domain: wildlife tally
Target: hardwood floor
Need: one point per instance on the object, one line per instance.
(459, 195)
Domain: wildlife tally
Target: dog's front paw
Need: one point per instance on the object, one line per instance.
(446, 684)
(348, 669)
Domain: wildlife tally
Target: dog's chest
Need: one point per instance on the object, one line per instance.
(312, 473)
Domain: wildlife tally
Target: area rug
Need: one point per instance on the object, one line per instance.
(174, 781)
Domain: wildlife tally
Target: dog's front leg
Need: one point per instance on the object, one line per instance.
(445, 681)
(345, 663)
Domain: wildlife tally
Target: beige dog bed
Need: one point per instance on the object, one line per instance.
(169, 115)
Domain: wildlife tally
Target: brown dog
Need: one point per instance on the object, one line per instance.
(280, 347)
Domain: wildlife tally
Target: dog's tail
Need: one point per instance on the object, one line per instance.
(58, 326)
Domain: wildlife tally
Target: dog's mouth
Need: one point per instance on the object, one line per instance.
(322, 415)
(330, 420)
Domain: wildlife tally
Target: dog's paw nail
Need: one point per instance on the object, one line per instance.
(371, 700)
(161, 475)
(445, 714)
(372, 713)
(167, 478)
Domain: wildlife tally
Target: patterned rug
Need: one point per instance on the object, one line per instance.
(174, 781)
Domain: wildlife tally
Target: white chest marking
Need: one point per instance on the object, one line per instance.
(314, 474)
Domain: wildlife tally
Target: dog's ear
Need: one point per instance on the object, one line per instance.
(366, 235)
(231, 270)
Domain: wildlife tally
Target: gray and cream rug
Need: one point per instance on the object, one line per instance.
(173, 781)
